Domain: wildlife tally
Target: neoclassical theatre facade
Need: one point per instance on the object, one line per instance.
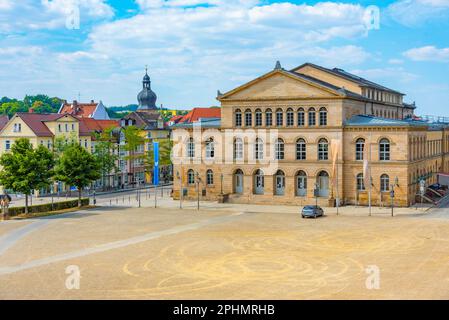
(306, 135)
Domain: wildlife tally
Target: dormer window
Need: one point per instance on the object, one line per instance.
(17, 127)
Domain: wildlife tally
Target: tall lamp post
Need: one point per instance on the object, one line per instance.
(392, 195)
(221, 180)
(198, 180)
(181, 191)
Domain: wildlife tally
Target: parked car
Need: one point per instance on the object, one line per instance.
(312, 211)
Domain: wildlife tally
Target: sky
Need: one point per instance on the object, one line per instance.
(195, 47)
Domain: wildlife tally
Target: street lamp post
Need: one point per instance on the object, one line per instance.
(198, 179)
(181, 191)
(221, 178)
(316, 193)
(396, 184)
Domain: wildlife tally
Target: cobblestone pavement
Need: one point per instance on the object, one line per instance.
(226, 252)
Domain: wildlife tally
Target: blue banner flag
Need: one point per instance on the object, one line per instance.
(156, 163)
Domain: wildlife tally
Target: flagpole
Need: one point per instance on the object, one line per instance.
(370, 182)
(336, 189)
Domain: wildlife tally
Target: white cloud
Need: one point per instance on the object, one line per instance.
(5, 4)
(25, 15)
(413, 12)
(428, 53)
(200, 49)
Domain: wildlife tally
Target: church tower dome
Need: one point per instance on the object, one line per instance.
(147, 98)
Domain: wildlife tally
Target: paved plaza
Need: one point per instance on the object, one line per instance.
(225, 252)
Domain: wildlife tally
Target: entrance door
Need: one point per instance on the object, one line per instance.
(280, 185)
(301, 185)
(238, 183)
(323, 185)
(259, 182)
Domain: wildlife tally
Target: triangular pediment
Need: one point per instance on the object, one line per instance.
(279, 85)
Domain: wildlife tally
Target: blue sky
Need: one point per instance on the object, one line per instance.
(195, 47)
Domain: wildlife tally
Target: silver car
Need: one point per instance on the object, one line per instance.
(312, 211)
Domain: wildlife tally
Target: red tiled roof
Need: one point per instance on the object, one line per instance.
(175, 119)
(36, 122)
(89, 125)
(201, 113)
(3, 121)
(85, 110)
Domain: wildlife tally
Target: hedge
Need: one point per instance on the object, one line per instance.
(47, 207)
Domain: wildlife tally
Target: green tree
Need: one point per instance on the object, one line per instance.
(77, 167)
(105, 147)
(12, 107)
(135, 139)
(25, 169)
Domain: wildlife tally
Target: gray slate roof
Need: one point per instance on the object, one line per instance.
(342, 73)
(369, 121)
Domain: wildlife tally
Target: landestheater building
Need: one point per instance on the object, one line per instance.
(305, 135)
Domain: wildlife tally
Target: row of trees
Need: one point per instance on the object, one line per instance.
(26, 168)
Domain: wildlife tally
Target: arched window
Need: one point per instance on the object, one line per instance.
(279, 149)
(190, 148)
(210, 148)
(312, 117)
(290, 117)
(359, 149)
(279, 183)
(258, 118)
(323, 117)
(268, 118)
(384, 183)
(279, 117)
(301, 118)
(360, 182)
(190, 177)
(384, 150)
(238, 149)
(210, 177)
(259, 182)
(323, 149)
(301, 184)
(238, 118)
(248, 118)
(301, 151)
(258, 149)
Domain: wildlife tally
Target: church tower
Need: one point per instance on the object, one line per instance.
(146, 98)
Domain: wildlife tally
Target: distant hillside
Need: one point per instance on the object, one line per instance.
(40, 103)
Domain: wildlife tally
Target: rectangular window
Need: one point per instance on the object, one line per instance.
(301, 119)
(301, 151)
(238, 119)
(66, 127)
(290, 120)
(268, 119)
(248, 119)
(312, 118)
(8, 145)
(279, 119)
(258, 119)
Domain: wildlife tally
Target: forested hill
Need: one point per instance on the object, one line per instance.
(40, 103)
